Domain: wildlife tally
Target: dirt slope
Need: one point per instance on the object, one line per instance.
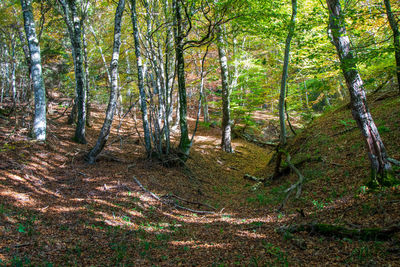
(55, 209)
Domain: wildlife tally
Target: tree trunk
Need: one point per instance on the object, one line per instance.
(105, 130)
(103, 58)
(184, 143)
(74, 28)
(80, 79)
(6, 71)
(13, 69)
(396, 38)
(142, 92)
(25, 48)
(226, 94)
(86, 63)
(285, 74)
(282, 96)
(39, 122)
(380, 165)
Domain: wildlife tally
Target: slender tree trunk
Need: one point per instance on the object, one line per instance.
(86, 64)
(6, 70)
(285, 74)
(25, 48)
(103, 58)
(13, 69)
(74, 28)
(39, 122)
(282, 96)
(112, 104)
(205, 107)
(142, 92)
(226, 94)
(396, 38)
(2, 72)
(72, 115)
(380, 165)
(184, 143)
(80, 79)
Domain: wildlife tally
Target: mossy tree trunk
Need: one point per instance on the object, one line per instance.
(282, 120)
(380, 166)
(184, 142)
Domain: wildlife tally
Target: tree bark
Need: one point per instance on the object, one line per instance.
(25, 48)
(380, 165)
(285, 74)
(86, 64)
(143, 104)
(13, 69)
(282, 96)
(396, 38)
(226, 94)
(39, 122)
(112, 104)
(184, 143)
(74, 28)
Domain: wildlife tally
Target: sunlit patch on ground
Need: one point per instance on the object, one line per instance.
(58, 209)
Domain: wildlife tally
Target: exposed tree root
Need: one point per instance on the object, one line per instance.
(300, 160)
(366, 234)
(172, 203)
(294, 186)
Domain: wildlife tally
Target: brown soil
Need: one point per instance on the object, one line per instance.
(57, 209)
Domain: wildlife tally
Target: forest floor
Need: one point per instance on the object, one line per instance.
(57, 210)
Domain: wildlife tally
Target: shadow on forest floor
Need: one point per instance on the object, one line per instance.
(56, 209)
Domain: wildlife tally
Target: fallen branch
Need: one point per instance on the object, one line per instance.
(252, 178)
(393, 161)
(248, 138)
(171, 203)
(188, 201)
(366, 234)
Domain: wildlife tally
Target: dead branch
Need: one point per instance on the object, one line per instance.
(252, 178)
(393, 161)
(250, 139)
(188, 201)
(366, 234)
(169, 202)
